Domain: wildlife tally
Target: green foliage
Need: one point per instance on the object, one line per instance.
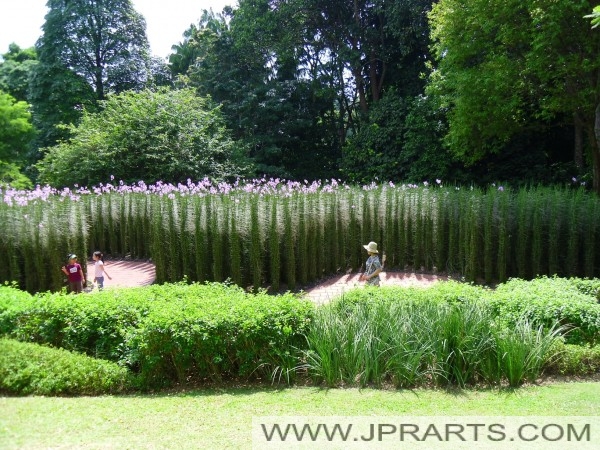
(595, 16)
(150, 136)
(492, 74)
(57, 96)
(167, 333)
(103, 41)
(451, 333)
(276, 95)
(15, 68)
(88, 50)
(379, 337)
(16, 133)
(574, 359)
(483, 235)
(545, 301)
(31, 369)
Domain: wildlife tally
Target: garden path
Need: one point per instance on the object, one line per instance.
(127, 273)
(336, 286)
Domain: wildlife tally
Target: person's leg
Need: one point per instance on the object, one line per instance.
(78, 287)
(100, 281)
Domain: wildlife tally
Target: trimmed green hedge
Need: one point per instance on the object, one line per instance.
(27, 369)
(446, 292)
(179, 332)
(167, 333)
(570, 302)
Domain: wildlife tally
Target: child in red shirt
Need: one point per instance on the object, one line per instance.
(75, 275)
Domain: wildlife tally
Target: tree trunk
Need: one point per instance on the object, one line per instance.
(578, 144)
(360, 87)
(375, 78)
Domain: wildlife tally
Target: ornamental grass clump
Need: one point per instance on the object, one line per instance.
(375, 338)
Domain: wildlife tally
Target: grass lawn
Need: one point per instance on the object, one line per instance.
(222, 418)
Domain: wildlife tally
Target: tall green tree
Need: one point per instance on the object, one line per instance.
(102, 41)
(167, 135)
(15, 69)
(88, 49)
(515, 67)
(16, 132)
(251, 61)
(300, 81)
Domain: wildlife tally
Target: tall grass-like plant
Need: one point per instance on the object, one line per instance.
(452, 206)
(523, 250)
(255, 244)
(503, 235)
(274, 248)
(157, 241)
(172, 239)
(235, 250)
(538, 235)
(474, 234)
(332, 240)
(592, 225)
(389, 235)
(418, 256)
(489, 237)
(200, 242)
(216, 237)
(188, 230)
(354, 231)
(342, 234)
(555, 228)
(311, 239)
(574, 229)
(411, 343)
(524, 350)
(290, 253)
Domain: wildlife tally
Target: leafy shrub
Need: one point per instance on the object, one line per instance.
(94, 324)
(167, 333)
(546, 301)
(12, 302)
(34, 369)
(587, 286)
(575, 359)
(219, 331)
(448, 292)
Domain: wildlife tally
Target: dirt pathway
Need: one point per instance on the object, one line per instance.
(125, 273)
(336, 286)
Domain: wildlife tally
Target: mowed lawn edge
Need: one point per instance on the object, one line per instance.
(222, 418)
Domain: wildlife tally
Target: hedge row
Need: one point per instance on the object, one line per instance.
(545, 301)
(34, 369)
(177, 332)
(569, 302)
(166, 333)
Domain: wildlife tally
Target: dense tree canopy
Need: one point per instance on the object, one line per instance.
(88, 49)
(16, 133)
(15, 68)
(400, 90)
(169, 135)
(516, 67)
(102, 41)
